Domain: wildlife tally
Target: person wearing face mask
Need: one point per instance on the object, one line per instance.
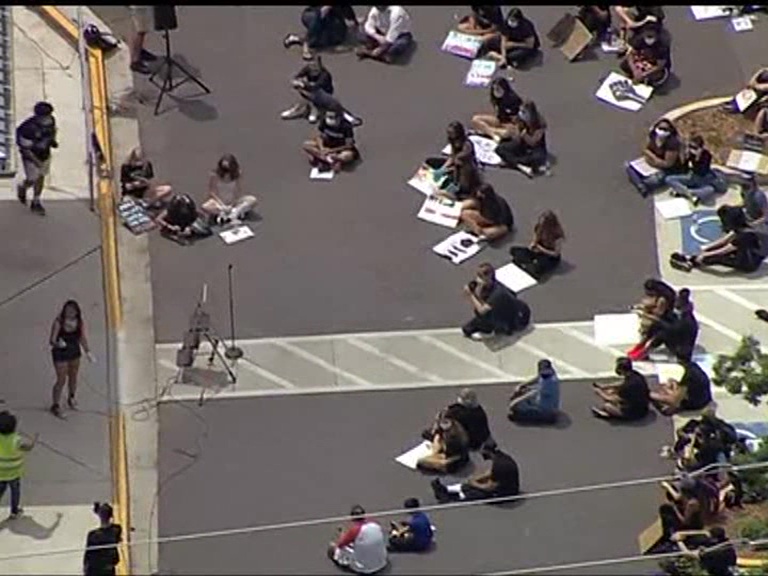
(484, 22)
(677, 331)
(487, 214)
(663, 152)
(634, 19)
(628, 400)
(516, 44)
(335, 145)
(226, 202)
(648, 59)
(527, 150)
(35, 137)
(314, 85)
(506, 106)
(496, 308)
(700, 181)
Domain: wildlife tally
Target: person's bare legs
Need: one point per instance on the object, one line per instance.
(315, 151)
(485, 124)
(339, 160)
(61, 378)
(211, 207)
(73, 367)
(136, 45)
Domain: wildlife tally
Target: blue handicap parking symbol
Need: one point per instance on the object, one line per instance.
(698, 229)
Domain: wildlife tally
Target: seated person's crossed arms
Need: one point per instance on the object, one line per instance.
(136, 176)
(314, 85)
(334, 147)
(470, 414)
(663, 151)
(362, 547)
(226, 201)
(414, 534)
(501, 481)
(691, 392)
(758, 83)
(483, 21)
(386, 34)
(628, 400)
(538, 401)
(700, 181)
(496, 308)
(516, 44)
(503, 123)
(685, 512)
(596, 19)
(542, 256)
(177, 218)
(739, 249)
(450, 449)
(487, 214)
(526, 150)
(649, 58)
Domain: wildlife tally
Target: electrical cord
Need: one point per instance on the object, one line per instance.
(390, 513)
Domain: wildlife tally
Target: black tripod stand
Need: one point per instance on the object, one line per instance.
(167, 67)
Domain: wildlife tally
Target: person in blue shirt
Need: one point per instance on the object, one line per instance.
(413, 535)
(537, 401)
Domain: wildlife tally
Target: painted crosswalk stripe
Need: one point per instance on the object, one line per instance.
(394, 360)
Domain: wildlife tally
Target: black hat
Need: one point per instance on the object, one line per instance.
(43, 109)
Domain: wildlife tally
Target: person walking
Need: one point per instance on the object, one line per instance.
(67, 341)
(12, 449)
(102, 561)
(35, 137)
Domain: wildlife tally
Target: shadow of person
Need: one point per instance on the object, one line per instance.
(28, 526)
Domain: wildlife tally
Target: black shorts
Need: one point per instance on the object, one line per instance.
(67, 354)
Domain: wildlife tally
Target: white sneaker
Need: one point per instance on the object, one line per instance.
(527, 170)
(312, 118)
(295, 111)
(480, 336)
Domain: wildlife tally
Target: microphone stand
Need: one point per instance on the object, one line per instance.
(232, 352)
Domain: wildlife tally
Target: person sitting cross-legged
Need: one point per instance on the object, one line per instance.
(450, 449)
(542, 256)
(177, 218)
(526, 150)
(700, 181)
(483, 21)
(663, 151)
(470, 415)
(487, 214)
(516, 43)
(648, 59)
(136, 176)
(226, 202)
(386, 34)
(326, 27)
(334, 147)
(538, 401)
(503, 123)
(362, 547)
(501, 481)
(627, 400)
(496, 308)
(414, 534)
(691, 392)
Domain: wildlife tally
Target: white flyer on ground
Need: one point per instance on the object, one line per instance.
(669, 371)
(709, 12)
(617, 329)
(440, 211)
(480, 73)
(745, 99)
(411, 458)
(673, 208)
(619, 91)
(317, 174)
(423, 181)
(459, 247)
(460, 44)
(742, 23)
(515, 278)
(748, 161)
(485, 150)
(642, 167)
(236, 234)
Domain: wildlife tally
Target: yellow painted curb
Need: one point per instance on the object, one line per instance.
(106, 203)
(751, 563)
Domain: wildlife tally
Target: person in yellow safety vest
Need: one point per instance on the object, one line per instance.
(12, 449)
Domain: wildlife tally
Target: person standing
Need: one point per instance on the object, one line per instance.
(102, 561)
(67, 341)
(141, 19)
(35, 137)
(12, 449)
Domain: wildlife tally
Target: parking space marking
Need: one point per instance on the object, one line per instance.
(394, 360)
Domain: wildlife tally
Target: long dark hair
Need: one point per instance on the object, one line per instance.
(506, 88)
(78, 313)
(536, 119)
(456, 134)
(233, 170)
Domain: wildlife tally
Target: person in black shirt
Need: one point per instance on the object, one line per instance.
(692, 392)
(543, 255)
(484, 21)
(177, 219)
(335, 145)
(740, 248)
(627, 400)
(497, 309)
(678, 334)
(648, 59)
(468, 412)
(327, 26)
(35, 137)
(450, 448)
(635, 19)
(314, 84)
(506, 106)
(516, 44)
(487, 214)
(597, 19)
(701, 181)
(102, 561)
(716, 557)
(502, 480)
(136, 175)
(663, 152)
(526, 150)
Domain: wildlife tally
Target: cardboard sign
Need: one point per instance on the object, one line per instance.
(571, 36)
(480, 73)
(440, 211)
(462, 45)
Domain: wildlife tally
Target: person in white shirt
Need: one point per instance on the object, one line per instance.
(386, 34)
(362, 547)
(225, 201)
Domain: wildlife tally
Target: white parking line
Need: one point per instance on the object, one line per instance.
(322, 363)
(577, 372)
(591, 342)
(466, 357)
(251, 366)
(735, 298)
(394, 360)
(724, 330)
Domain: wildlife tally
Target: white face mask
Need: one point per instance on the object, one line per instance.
(661, 132)
(650, 41)
(332, 121)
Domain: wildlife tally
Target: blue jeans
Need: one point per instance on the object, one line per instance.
(323, 32)
(701, 187)
(528, 411)
(399, 47)
(645, 184)
(15, 486)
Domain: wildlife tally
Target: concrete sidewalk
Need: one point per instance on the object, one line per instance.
(44, 262)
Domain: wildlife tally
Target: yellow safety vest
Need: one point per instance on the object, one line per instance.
(11, 457)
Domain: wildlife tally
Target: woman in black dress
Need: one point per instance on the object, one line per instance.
(67, 342)
(542, 256)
